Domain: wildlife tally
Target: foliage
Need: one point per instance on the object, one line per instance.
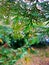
(21, 21)
(23, 18)
(10, 56)
(4, 34)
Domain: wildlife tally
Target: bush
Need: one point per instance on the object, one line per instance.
(22, 19)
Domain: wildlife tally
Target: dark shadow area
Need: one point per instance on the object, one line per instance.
(40, 45)
(17, 43)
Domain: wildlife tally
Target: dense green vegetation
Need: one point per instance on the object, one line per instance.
(19, 18)
(23, 24)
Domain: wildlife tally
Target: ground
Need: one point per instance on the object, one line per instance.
(41, 58)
